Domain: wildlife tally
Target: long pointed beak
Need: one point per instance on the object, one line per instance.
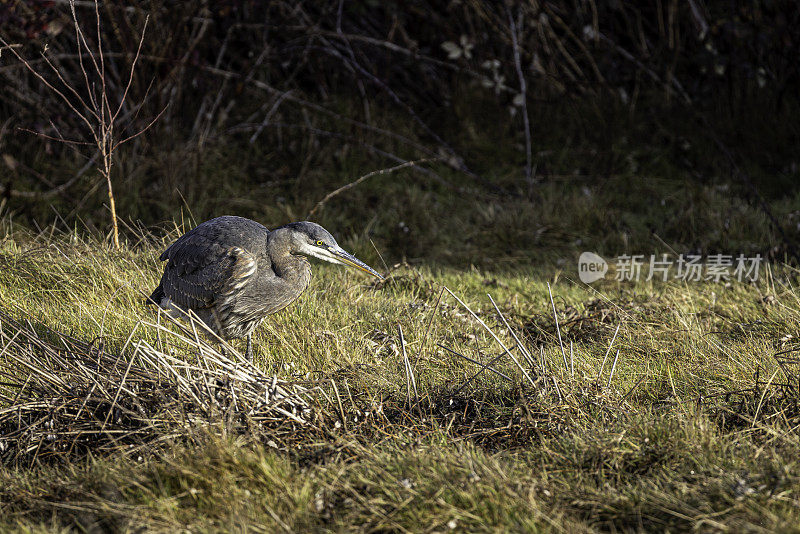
(352, 261)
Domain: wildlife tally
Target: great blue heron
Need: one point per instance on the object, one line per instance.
(232, 272)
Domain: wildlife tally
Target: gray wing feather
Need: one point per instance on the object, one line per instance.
(208, 263)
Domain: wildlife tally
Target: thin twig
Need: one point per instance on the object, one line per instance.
(497, 339)
(608, 351)
(613, 368)
(514, 28)
(409, 371)
(558, 329)
(484, 366)
(522, 349)
(95, 111)
(361, 179)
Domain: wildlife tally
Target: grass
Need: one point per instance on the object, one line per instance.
(696, 429)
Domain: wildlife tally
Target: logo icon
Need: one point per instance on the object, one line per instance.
(591, 267)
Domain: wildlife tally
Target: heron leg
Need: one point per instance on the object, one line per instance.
(249, 352)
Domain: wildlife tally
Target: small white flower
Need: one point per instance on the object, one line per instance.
(588, 32)
(461, 49)
(761, 77)
(518, 100)
(452, 49)
(467, 46)
(497, 82)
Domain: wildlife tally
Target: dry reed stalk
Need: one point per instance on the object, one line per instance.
(497, 339)
(523, 350)
(484, 366)
(558, 328)
(613, 368)
(608, 351)
(411, 382)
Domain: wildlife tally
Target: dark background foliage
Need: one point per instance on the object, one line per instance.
(264, 107)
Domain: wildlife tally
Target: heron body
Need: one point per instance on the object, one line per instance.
(232, 272)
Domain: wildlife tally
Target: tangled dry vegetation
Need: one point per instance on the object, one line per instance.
(64, 396)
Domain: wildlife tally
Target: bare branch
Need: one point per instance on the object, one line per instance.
(361, 179)
(46, 83)
(68, 86)
(143, 130)
(133, 67)
(80, 43)
(523, 89)
(59, 139)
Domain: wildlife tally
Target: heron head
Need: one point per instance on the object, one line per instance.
(312, 239)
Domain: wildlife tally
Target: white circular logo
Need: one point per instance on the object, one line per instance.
(591, 267)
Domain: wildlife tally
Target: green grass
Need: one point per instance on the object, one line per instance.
(680, 437)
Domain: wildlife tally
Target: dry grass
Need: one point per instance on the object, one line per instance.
(67, 398)
(401, 406)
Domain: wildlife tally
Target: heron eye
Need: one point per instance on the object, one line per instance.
(320, 243)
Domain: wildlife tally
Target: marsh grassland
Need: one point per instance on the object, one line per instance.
(470, 151)
(673, 405)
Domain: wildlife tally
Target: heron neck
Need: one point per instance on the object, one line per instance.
(285, 263)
